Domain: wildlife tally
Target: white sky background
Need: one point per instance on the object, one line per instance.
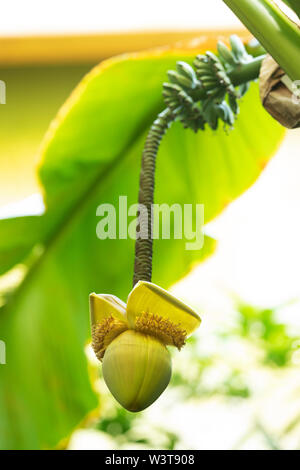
(73, 16)
(258, 255)
(19, 17)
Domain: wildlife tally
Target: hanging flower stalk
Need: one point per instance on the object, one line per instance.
(132, 339)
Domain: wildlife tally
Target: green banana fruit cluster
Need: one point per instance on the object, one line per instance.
(204, 94)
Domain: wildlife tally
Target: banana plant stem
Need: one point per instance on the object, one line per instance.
(144, 243)
(274, 30)
(246, 72)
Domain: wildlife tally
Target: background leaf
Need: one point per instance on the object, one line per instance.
(34, 94)
(91, 155)
(17, 237)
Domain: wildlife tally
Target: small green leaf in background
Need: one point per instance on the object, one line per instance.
(91, 155)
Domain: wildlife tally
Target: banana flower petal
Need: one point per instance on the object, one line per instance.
(103, 306)
(149, 298)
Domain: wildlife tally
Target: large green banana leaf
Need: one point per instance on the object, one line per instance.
(34, 94)
(91, 155)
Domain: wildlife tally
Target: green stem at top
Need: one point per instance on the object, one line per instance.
(274, 30)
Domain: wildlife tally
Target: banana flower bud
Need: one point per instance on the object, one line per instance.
(131, 341)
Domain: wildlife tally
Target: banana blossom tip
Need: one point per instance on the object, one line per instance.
(130, 339)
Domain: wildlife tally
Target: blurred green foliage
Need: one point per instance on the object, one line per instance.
(272, 344)
(261, 327)
(120, 424)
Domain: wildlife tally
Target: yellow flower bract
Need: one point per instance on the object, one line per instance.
(150, 310)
